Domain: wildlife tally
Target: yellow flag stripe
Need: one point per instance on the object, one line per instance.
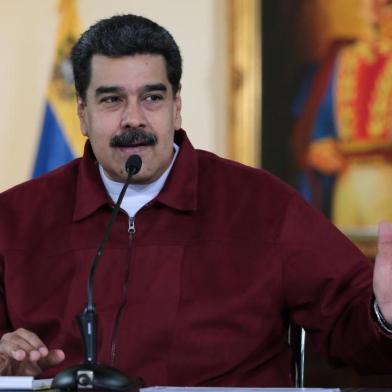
(61, 91)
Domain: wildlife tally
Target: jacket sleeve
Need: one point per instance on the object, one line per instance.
(328, 290)
(4, 319)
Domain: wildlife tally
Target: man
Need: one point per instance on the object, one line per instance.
(208, 262)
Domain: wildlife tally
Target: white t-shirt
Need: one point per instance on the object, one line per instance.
(136, 195)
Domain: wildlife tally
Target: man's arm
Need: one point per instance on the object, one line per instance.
(22, 352)
(329, 291)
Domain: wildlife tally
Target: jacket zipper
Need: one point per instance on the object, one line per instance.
(131, 234)
(131, 225)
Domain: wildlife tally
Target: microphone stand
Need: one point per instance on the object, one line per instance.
(91, 374)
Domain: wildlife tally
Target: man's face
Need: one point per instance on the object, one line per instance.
(130, 109)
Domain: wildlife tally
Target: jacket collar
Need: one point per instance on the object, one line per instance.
(179, 191)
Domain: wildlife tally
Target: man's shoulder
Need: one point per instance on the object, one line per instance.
(46, 186)
(229, 172)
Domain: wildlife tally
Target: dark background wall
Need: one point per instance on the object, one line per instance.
(283, 65)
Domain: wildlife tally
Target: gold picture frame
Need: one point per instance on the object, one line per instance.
(244, 141)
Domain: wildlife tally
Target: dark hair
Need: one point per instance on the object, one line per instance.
(124, 35)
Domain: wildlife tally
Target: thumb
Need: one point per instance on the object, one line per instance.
(382, 277)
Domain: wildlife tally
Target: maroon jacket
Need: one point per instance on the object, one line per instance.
(219, 263)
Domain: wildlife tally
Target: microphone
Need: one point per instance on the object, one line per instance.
(133, 165)
(91, 374)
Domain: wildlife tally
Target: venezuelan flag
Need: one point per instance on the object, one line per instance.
(61, 139)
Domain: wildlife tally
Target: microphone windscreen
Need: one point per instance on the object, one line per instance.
(133, 164)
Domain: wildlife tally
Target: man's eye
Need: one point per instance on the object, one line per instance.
(110, 99)
(154, 97)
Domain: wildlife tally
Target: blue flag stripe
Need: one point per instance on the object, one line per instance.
(53, 149)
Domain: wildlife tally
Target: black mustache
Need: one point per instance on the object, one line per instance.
(133, 137)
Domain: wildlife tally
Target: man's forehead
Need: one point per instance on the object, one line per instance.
(102, 61)
(137, 71)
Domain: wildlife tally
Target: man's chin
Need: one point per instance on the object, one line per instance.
(140, 179)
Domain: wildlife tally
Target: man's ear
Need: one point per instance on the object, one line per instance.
(82, 114)
(177, 110)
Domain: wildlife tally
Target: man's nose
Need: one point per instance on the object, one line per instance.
(132, 116)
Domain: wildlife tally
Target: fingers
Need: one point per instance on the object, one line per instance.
(382, 275)
(23, 353)
(5, 365)
(23, 344)
(53, 358)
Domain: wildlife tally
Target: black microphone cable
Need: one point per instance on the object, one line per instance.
(87, 320)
